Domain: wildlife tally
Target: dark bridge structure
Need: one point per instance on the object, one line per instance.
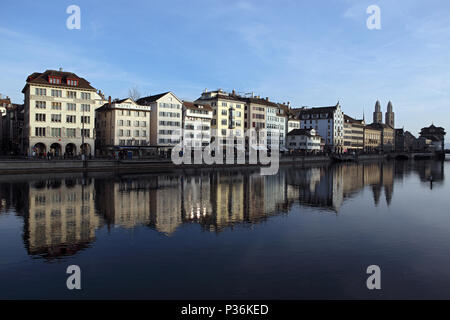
(418, 155)
(413, 155)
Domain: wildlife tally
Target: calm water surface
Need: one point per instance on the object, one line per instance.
(303, 233)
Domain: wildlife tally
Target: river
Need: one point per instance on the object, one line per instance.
(305, 233)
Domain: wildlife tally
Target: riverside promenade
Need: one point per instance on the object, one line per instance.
(148, 165)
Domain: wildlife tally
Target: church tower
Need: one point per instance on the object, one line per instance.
(390, 115)
(377, 115)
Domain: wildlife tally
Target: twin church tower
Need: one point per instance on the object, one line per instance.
(378, 116)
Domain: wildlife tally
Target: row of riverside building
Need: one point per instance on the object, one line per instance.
(63, 115)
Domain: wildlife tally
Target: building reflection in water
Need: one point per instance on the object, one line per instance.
(61, 215)
(123, 202)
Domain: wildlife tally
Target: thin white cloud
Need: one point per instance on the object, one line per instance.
(27, 53)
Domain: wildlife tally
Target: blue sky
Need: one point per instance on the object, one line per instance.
(307, 52)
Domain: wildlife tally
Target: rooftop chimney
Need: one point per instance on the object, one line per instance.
(109, 100)
(267, 98)
(60, 69)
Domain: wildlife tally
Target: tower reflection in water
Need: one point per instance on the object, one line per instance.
(62, 214)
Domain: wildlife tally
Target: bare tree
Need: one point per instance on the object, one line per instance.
(134, 93)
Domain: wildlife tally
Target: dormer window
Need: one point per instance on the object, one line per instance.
(72, 82)
(54, 80)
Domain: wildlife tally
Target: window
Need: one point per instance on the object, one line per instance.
(54, 80)
(40, 117)
(85, 119)
(144, 133)
(71, 94)
(120, 122)
(71, 119)
(86, 107)
(71, 107)
(40, 132)
(143, 123)
(136, 133)
(56, 105)
(72, 82)
(41, 92)
(40, 104)
(56, 118)
(71, 133)
(85, 132)
(120, 133)
(224, 122)
(56, 93)
(224, 112)
(128, 123)
(85, 96)
(56, 132)
(169, 123)
(169, 114)
(128, 133)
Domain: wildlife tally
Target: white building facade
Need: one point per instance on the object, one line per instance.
(328, 122)
(304, 139)
(59, 114)
(275, 125)
(228, 114)
(196, 124)
(120, 124)
(165, 119)
(293, 124)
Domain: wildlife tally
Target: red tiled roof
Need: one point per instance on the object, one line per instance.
(43, 79)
